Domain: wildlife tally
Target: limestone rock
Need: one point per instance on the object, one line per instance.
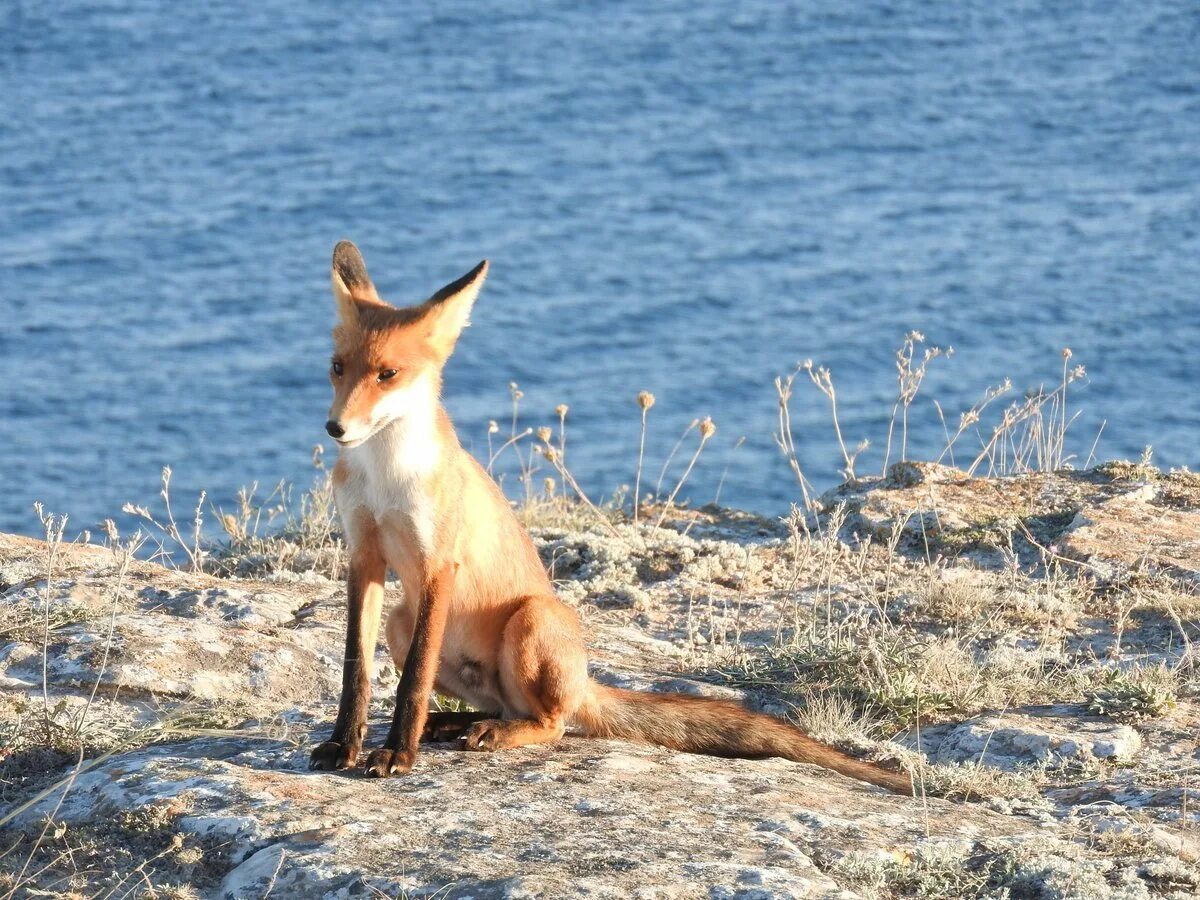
(1136, 529)
(1111, 518)
(588, 818)
(1011, 741)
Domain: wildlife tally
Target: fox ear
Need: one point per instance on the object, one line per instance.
(351, 284)
(449, 310)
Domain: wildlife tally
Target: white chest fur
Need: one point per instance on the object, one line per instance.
(390, 474)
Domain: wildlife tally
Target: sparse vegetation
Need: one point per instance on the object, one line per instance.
(986, 871)
(1132, 694)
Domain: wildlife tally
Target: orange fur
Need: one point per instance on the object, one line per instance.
(479, 619)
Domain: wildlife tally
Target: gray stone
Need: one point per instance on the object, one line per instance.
(1012, 741)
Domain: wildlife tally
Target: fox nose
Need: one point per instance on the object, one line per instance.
(335, 430)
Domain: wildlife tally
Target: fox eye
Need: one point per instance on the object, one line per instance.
(337, 368)
(387, 374)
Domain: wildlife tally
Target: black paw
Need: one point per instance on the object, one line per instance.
(333, 755)
(486, 735)
(448, 726)
(385, 763)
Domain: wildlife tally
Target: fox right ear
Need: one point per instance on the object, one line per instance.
(351, 284)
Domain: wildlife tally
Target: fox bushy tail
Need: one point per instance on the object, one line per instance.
(717, 728)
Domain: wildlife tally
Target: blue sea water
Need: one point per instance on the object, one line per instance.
(680, 197)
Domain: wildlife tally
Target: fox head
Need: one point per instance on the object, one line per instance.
(387, 360)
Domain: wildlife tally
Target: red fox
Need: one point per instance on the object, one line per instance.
(479, 620)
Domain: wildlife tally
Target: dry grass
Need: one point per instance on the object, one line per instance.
(991, 870)
(919, 641)
(281, 534)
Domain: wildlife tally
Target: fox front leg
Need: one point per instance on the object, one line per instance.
(399, 751)
(365, 598)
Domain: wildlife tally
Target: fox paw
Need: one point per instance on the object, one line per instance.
(384, 763)
(333, 755)
(486, 735)
(448, 726)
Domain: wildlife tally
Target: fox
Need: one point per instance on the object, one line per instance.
(479, 620)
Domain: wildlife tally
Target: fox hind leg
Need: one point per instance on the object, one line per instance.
(504, 734)
(446, 725)
(543, 665)
(442, 725)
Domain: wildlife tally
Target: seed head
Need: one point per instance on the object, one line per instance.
(1066, 354)
(189, 856)
(493, 427)
(544, 434)
(707, 428)
(645, 400)
(562, 409)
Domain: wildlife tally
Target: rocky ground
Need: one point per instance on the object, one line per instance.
(1024, 645)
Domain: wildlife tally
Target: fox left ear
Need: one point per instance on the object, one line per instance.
(449, 310)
